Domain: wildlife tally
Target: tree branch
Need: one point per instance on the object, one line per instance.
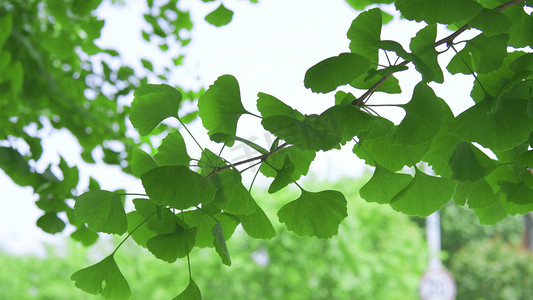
(260, 157)
(447, 40)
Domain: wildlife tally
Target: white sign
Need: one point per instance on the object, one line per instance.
(437, 284)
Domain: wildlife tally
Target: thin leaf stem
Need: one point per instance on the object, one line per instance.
(134, 229)
(207, 213)
(134, 194)
(194, 139)
(253, 180)
(470, 69)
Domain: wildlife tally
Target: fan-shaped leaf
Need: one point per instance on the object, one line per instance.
(481, 54)
(365, 34)
(469, 163)
(102, 211)
(103, 278)
(220, 244)
(141, 162)
(220, 108)
(152, 104)
(271, 106)
(220, 16)
(423, 48)
(384, 185)
(172, 151)
(423, 195)
(204, 223)
(231, 196)
(315, 214)
(174, 245)
(440, 11)
(177, 187)
(192, 292)
(257, 224)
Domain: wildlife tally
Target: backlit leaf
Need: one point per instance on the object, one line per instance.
(384, 185)
(50, 223)
(204, 223)
(481, 54)
(502, 130)
(271, 106)
(172, 151)
(142, 233)
(257, 224)
(85, 236)
(141, 162)
(518, 193)
(283, 177)
(424, 195)
(481, 195)
(177, 187)
(103, 211)
(220, 108)
(315, 214)
(423, 47)
(220, 244)
(103, 278)
(492, 214)
(160, 219)
(469, 163)
(491, 22)
(220, 16)
(231, 195)
(440, 11)
(174, 245)
(152, 104)
(365, 34)
(423, 117)
(301, 159)
(192, 292)
(333, 72)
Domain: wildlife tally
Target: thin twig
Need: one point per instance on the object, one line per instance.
(447, 40)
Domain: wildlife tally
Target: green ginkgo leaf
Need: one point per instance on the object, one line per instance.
(502, 130)
(315, 214)
(518, 193)
(231, 195)
(301, 159)
(172, 151)
(220, 244)
(174, 245)
(333, 72)
(481, 195)
(257, 224)
(271, 106)
(141, 162)
(440, 11)
(424, 195)
(51, 223)
(160, 219)
(492, 214)
(384, 185)
(283, 177)
(481, 54)
(204, 222)
(142, 233)
(470, 163)
(152, 104)
(423, 48)
(365, 34)
(103, 278)
(220, 108)
(103, 211)
(192, 292)
(491, 22)
(85, 236)
(220, 16)
(424, 115)
(177, 187)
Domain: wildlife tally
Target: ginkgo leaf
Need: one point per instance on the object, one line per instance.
(220, 244)
(333, 72)
(424, 195)
(365, 34)
(204, 223)
(526, 159)
(481, 54)
(177, 187)
(152, 104)
(481, 195)
(192, 292)
(103, 211)
(384, 185)
(518, 193)
(103, 278)
(440, 11)
(491, 22)
(271, 106)
(469, 163)
(172, 151)
(283, 177)
(220, 16)
(423, 117)
(423, 48)
(231, 195)
(492, 214)
(174, 245)
(51, 223)
(502, 130)
(142, 233)
(220, 108)
(257, 224)
(315, 214)
(85, 236)
(141, 162)
(160, 219)
(301, 159)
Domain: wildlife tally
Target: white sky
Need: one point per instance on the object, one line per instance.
(268, 47)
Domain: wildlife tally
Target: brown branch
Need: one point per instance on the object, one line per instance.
(260, 157)
(447, 40)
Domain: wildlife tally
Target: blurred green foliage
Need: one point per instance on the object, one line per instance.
(378, 254)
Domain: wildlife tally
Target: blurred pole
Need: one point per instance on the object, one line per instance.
(528, 234)
(433, 238)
